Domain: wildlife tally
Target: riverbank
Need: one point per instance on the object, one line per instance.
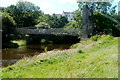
(95, 58)
(21, 43)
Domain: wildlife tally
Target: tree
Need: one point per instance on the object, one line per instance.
(102, 23)
(24, 13)
(78, 18)
(53, 21)
(116, 29)
(62, 21)
(42, 25)
(100, 10)
(103, 7)
(15, 13)
(47, 19)
(2, 9)
(71, 24)
(7, 24)
(27, 6)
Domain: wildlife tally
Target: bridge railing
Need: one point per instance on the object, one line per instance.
(55, 31)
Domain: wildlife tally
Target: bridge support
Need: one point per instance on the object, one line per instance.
(88, 24)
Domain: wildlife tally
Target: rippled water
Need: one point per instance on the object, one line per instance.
(12, 55)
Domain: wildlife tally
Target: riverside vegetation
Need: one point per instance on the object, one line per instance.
(96, 57)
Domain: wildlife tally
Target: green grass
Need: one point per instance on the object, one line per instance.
(88, 59)
(21, 43)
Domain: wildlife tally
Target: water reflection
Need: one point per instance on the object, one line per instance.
(12, 55)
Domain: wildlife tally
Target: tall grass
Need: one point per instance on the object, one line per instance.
(87, 59)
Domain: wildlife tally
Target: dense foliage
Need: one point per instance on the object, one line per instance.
(42, 25)
(24, 13)
(53, 21)
(71, 24)
(7, 24)
(116, 29)
(27, 14)
(77, 23)
(101, 22)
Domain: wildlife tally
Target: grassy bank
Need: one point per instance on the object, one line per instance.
(94, 58)
(21, 43)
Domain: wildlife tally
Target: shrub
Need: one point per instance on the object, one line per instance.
(95, 38)
(80, 51)
(42, 25)
(7, 21)
(7, 24)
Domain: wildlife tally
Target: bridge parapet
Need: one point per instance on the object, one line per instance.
(55, 31)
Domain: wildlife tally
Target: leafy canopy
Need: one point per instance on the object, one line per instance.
(24, 13)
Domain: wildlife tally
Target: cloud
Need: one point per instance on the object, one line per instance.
(68, 1)
(116, 0)
(46, 5)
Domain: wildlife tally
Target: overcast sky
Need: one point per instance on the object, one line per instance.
(51, 6)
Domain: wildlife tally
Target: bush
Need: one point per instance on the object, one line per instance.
(116, 30)
(7, 21)
(71, 24)
(80, 51)
(7, 24)
(42, 25)
(95, 38)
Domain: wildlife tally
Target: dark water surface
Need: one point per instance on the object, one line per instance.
(12, 55)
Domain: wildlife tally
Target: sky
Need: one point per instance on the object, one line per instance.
(51, 6)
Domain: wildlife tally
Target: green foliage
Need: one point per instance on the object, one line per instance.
(71, 24)
(42, 25)
(102, 23)
(53, 21)
(7, 24)
(79, 51)
(94, 63)
(77, 23)
(24, 13)
(78, 18)
(95, 38)
(103, 7)
(2, 9)
(27, 6)
(73, 27)
(46, 19)
(21, 43)
(7, 21)
(62, 21)
(58, 22)
(116, 28)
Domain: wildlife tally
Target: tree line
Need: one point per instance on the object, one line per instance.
(101, 22)
(27, 14)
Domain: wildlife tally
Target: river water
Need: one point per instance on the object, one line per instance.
(12, 55)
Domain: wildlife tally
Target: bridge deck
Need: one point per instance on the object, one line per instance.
(56, 31)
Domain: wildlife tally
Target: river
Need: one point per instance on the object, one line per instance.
(12, 55)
